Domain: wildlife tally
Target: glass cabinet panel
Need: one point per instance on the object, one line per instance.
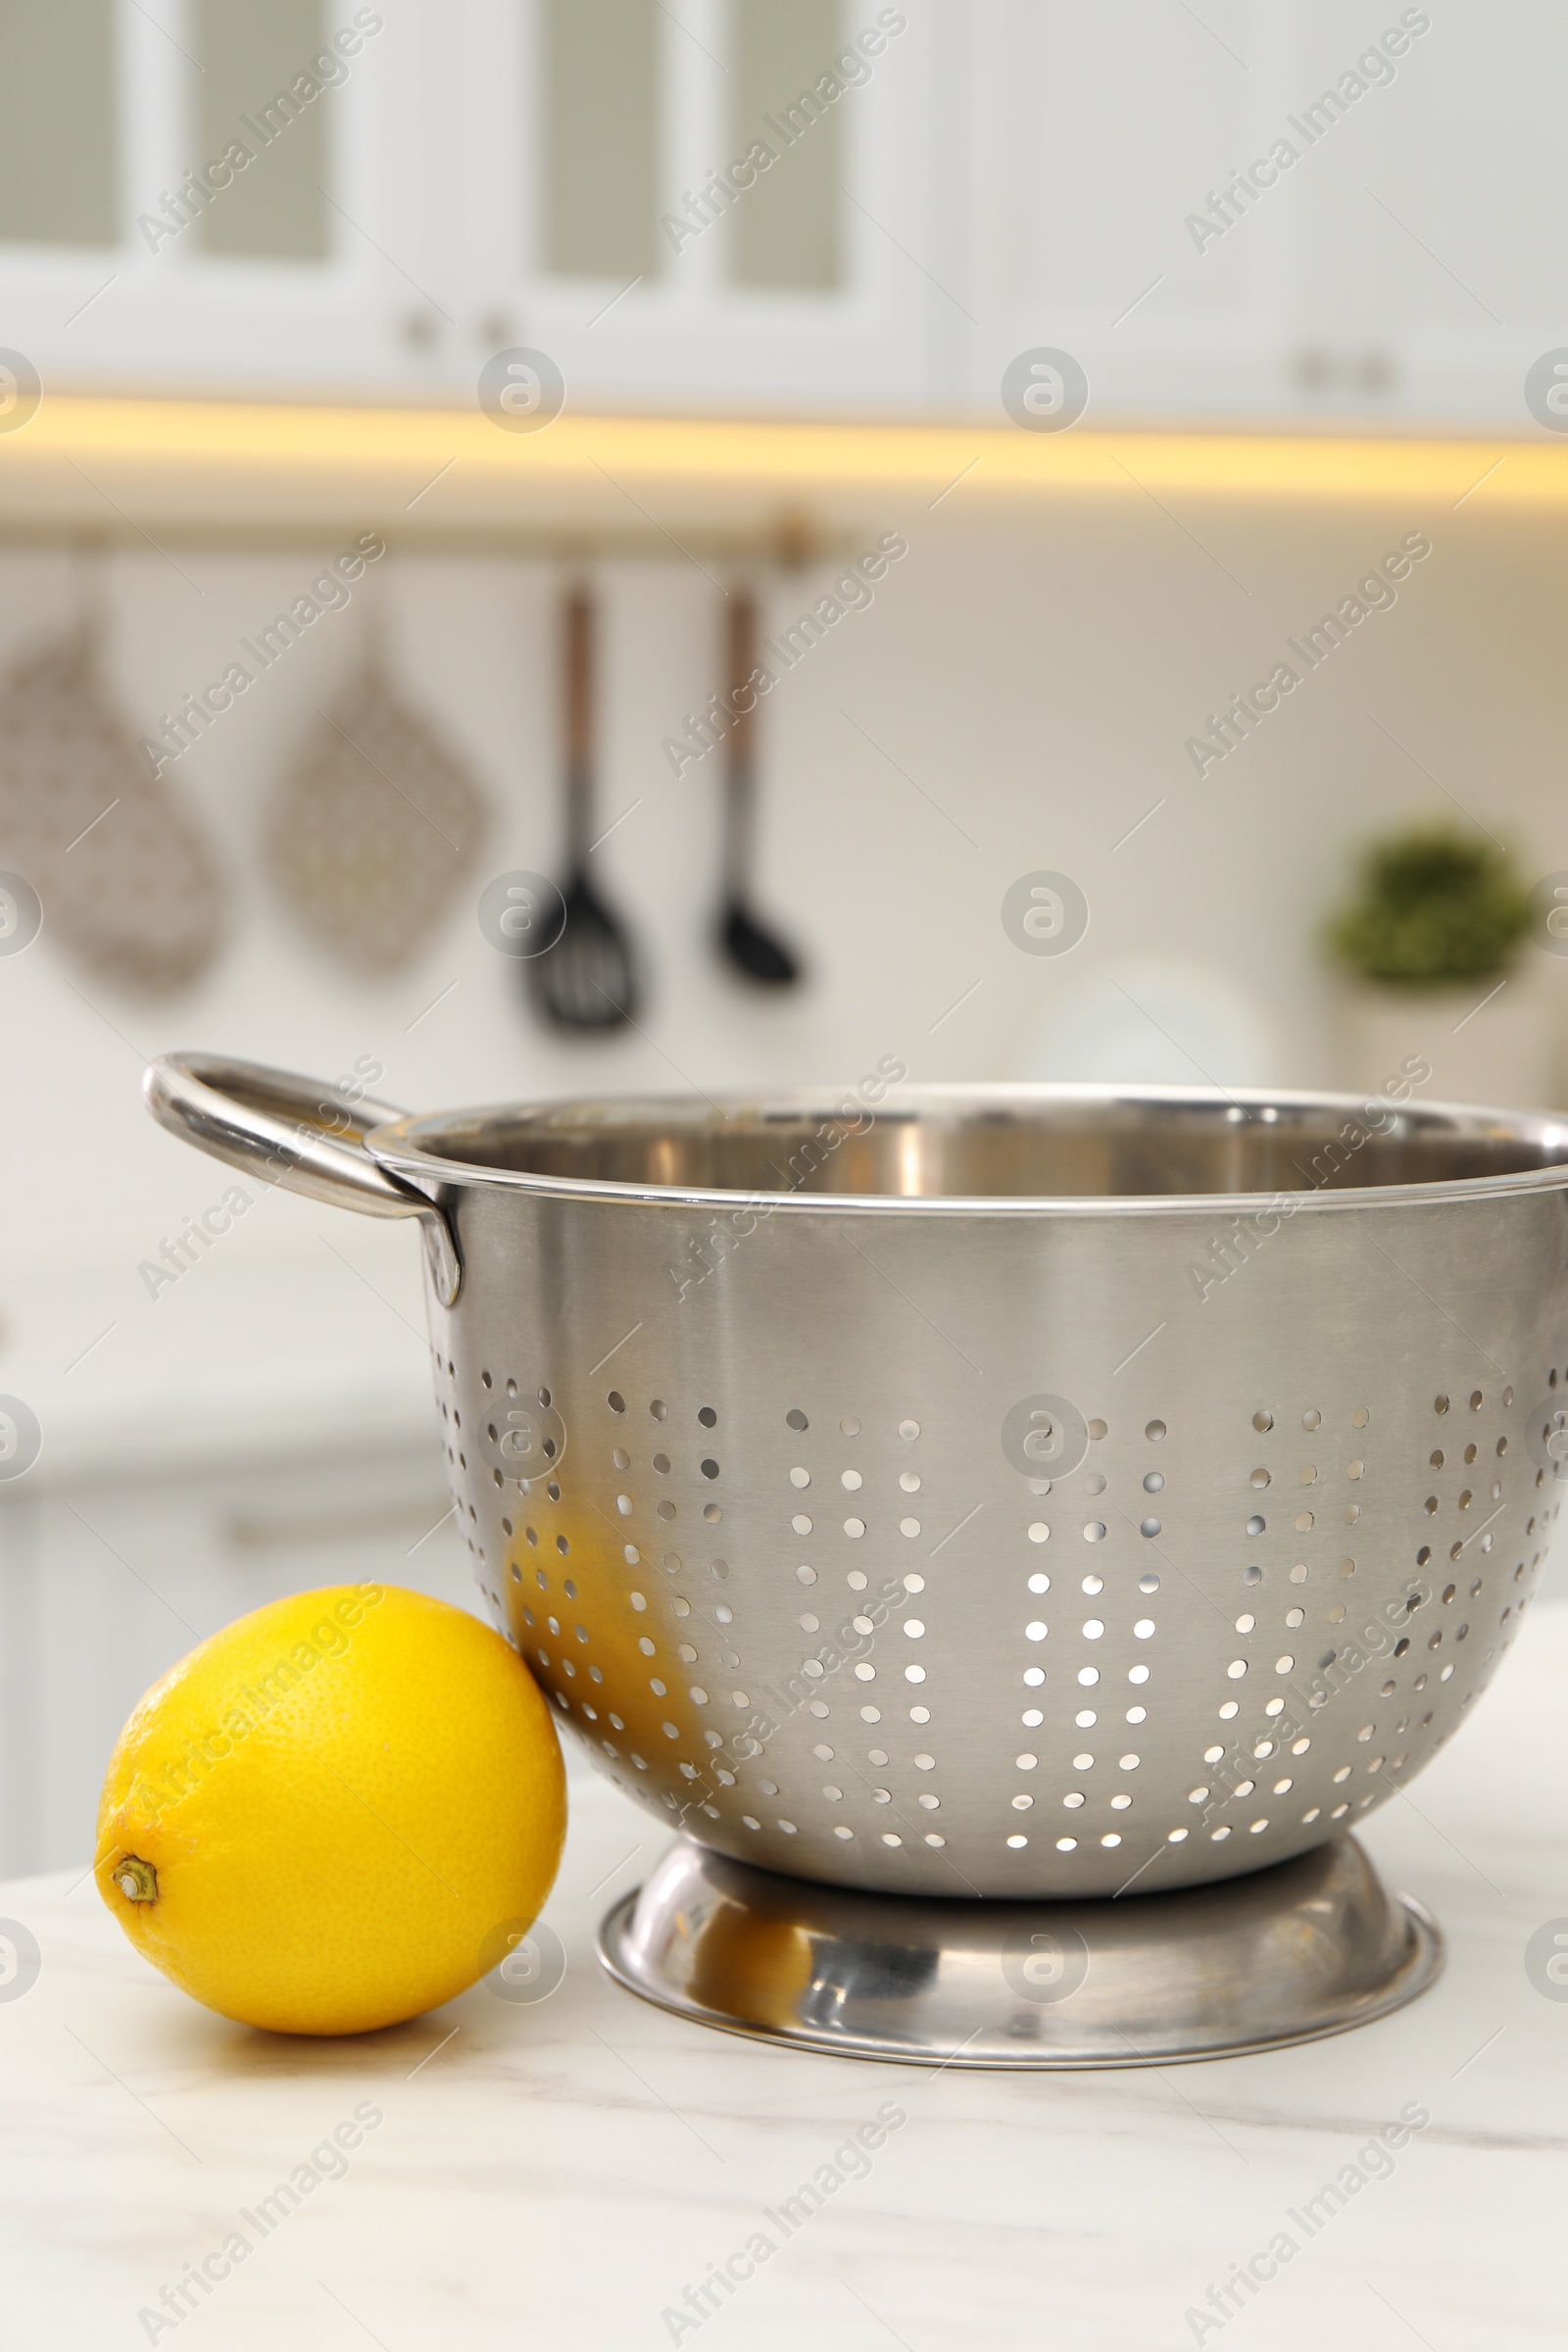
(58, 142)
(787, 96)
(263, 92)
(601, 136)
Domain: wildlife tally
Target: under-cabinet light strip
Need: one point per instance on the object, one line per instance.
(209, 441)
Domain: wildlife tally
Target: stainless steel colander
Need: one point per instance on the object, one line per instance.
(1012, 1492)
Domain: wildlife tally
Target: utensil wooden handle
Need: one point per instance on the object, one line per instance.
(742, 662)
(580, 632)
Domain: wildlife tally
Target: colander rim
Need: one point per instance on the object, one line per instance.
(401, 1147)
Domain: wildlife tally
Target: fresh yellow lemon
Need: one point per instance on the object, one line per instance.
(335, 1813)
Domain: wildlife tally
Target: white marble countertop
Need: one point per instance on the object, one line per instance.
(560, 2174)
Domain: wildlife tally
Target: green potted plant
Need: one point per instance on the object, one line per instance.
(1430, 949)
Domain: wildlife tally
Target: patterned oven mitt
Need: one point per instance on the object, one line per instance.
(130, 886)
(373, 833)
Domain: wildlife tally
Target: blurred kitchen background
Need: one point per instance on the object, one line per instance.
(447, 225)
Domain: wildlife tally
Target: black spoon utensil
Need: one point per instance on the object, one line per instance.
(588, 978)
(757, 952)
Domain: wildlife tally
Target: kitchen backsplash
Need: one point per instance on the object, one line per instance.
(1021, 695)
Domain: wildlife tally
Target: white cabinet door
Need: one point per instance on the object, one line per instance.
(1410, 212)
(252, 208)
(1100, 140)
(1465, 228)
(709, 204)
(1342, 211)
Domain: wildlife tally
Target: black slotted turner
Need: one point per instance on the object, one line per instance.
(588, 979)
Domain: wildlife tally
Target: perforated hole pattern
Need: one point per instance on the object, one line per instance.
(808, 1636)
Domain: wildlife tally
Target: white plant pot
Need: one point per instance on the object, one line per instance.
(1486, 1043)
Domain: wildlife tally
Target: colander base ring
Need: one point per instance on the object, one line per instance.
(1307, 1947)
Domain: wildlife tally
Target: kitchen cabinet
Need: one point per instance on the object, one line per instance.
(683, 205)
(1258, 211)
(1469, 261)
(1251, 211)
(771, 251)
(258, 215)
(1093, 133)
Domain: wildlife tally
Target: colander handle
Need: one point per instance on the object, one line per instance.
(302, 1133)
